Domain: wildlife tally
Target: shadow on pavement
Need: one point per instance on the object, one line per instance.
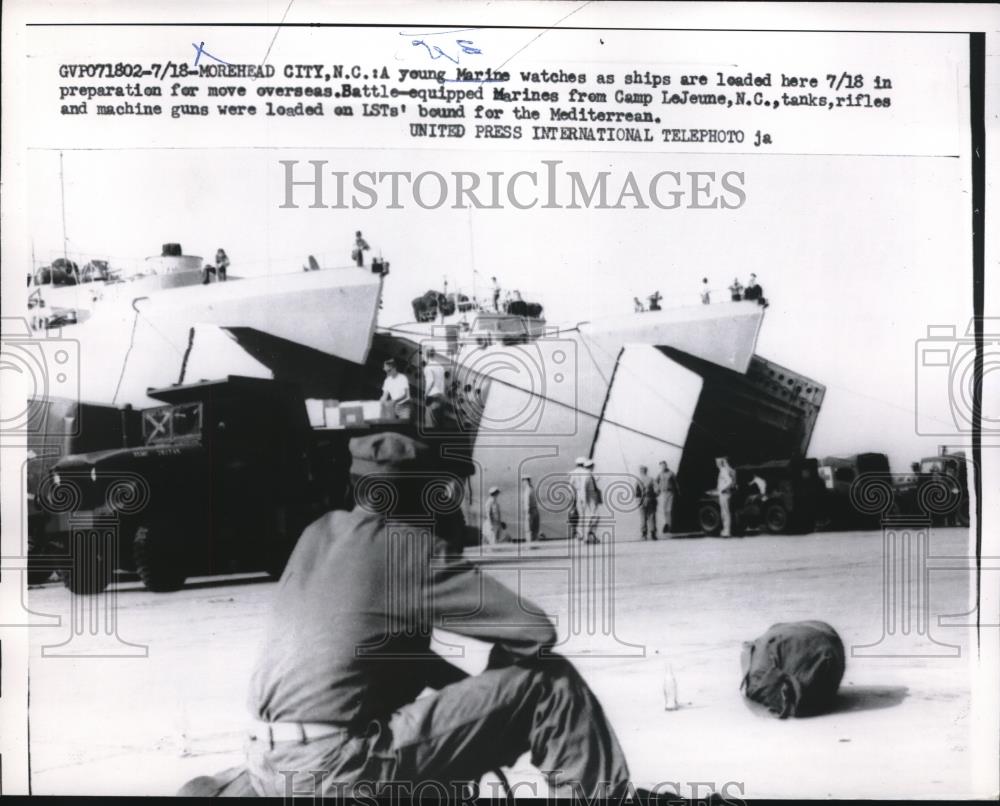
(197, 583)
(868, 698)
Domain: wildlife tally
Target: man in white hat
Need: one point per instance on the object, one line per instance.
(592, 500)
(726, 486)
(577, 482)
(493, 523)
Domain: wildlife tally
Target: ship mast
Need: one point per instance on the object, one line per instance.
(472, 258)
(62, 191)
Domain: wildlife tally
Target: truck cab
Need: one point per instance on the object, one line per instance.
(838, 474)
(224, 478)
(947, 503)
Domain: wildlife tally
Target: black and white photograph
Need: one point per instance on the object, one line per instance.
(504, 400)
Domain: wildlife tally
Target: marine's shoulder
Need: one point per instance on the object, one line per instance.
(340, 523)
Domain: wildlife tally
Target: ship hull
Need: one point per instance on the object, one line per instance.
(681, 386)
(192, 333)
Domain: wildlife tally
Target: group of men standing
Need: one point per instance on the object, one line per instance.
(737, 291)
(655, 493)
(495, 527)
(752, 291)
(583, 512)
(396, 390)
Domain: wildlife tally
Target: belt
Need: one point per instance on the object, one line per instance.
(302, 732)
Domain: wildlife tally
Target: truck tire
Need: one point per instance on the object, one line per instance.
(159, 559)
(37, 572)
(38, 576)
(776, 519)
(90, 565)
(710, 519)
(276, 560)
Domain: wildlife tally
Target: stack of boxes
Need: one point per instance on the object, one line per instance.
(348, 413)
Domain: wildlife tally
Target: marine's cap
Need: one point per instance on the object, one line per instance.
(525, 478)
(588, 463)
(386, 452)
(581, 461)
(494, 490)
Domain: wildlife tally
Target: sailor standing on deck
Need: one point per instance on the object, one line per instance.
(343, 659)
(360, 247)
(496, 294)
(396, 389)
(221, 264)
(736, 290)
(755, 292)
(726, 486)
(435, 401)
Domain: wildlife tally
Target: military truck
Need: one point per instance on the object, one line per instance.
(223, 478)
(948, 502)
(61, 427)
(838, 474)
(791, 497)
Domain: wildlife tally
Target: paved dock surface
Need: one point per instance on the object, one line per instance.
(903, 728)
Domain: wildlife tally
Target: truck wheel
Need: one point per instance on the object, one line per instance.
(710, 519)
(776, 518)
(159, 559)
(276, 560)
(90, 570)
(38, 576)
